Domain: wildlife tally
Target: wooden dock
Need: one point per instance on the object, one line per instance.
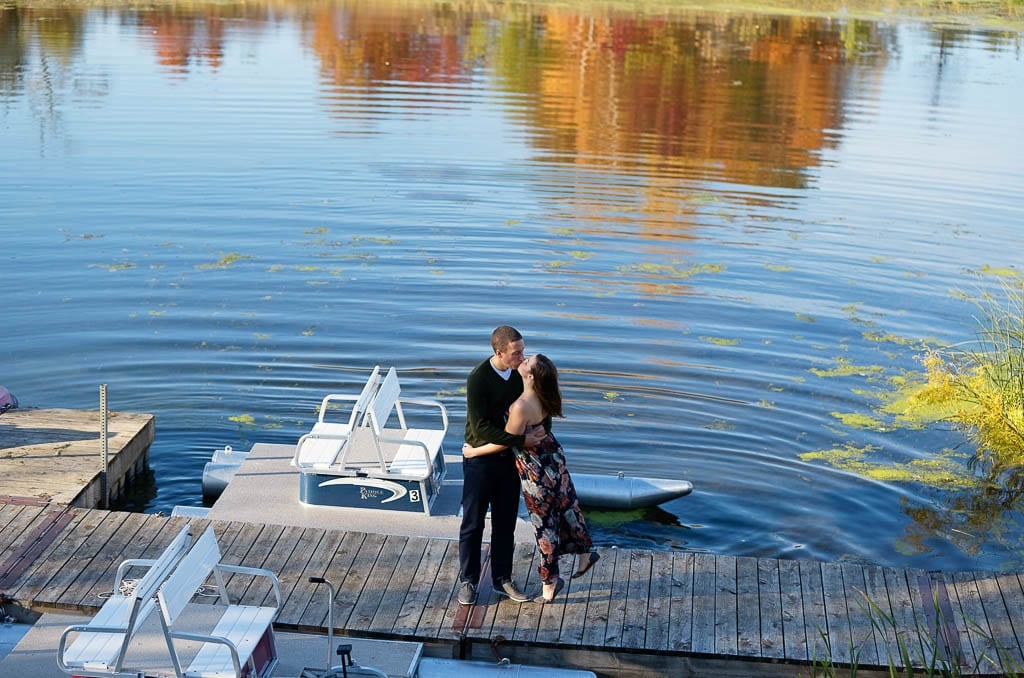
(54, 455)
(637, 613)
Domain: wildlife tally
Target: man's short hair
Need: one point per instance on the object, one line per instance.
(502, 336)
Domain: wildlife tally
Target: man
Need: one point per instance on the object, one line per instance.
(492, 479)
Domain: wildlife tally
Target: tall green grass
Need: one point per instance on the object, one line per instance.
(931, 660)
(979, 388)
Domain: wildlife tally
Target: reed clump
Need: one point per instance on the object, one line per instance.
(925, 652)
(979, 389)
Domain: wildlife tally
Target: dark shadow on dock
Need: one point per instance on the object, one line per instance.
(16, 436)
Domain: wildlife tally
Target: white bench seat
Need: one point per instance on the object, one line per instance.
(378, 465)
(99, 646)
(324, 446)
(416, 458)
(319, 449)
(243, 626)
(415, 445)
(230, 649)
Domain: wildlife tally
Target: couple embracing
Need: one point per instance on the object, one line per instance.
(509, 450)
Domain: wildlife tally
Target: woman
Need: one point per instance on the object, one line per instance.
(547, 488)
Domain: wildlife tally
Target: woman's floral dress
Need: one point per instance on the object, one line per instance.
(551, 500)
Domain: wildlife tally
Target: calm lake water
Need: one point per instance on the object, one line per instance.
(731, 231)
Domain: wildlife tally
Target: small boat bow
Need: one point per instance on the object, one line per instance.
(622, 492)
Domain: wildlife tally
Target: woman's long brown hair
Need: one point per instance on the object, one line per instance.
(545, 376)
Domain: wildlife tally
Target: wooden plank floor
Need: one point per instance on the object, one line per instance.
(634, 602)
(55, 454)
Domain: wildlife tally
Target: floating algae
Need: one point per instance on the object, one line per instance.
(860, 421)
(721, 341)
(845, 369)
(980, 391)
(1000, 272)
(672, 271)
(225, 261)
(945, 470)
(380, 240)
(908, 402)
(889, 338)
(126, 266)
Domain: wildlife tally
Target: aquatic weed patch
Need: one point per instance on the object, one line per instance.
(860, 421)
(126, 266)
(945, 470)
(978, 389)
(670, 271)
(846, 369)
(225, 261)
(720, 341)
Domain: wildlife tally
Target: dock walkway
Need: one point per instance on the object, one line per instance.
(55, 455)
(635, 613)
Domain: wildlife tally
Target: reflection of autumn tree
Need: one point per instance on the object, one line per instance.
(738, 98)
(183, 38)
(679, 99)
(360, 44)
(60, 32)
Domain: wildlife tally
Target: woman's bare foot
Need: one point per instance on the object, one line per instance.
(550, 591)
(586, 564)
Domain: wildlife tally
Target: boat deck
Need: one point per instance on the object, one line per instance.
(265, 489)
(635, 613)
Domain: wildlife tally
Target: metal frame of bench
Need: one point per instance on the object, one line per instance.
(241, 630)
(100, 645)
(319, 449)
(407, 454)
(411, 441)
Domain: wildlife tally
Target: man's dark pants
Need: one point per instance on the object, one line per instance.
(489, 479)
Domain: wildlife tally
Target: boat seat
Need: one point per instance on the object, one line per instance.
(413, 453)
(99, 646)
(323, 447)
(410, 458)
(242, 640)
(379, 464)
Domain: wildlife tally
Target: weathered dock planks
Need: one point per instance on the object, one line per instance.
(54, 455)
(659, 612)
